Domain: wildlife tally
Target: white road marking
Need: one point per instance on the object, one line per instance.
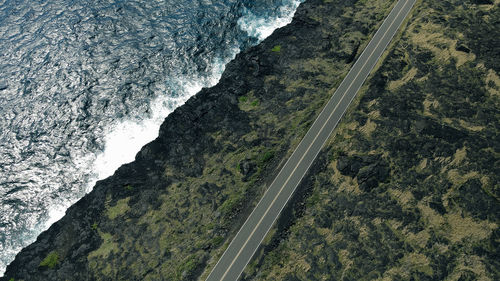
(307, 150)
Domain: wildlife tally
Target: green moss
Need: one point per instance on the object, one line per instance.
(94, 226)
(51, 260)
(266, 157)
(180, 222)
(436, 209)
(119, 209)
(276, 48)
(231, 203)
(248, 102)
(186, 269)
(129, 187)
(216, 241)
(108, 246)
(313, 199)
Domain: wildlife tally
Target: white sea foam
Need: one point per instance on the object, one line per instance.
(126, 137)
(262, 27)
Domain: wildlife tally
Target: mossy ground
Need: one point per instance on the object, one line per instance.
(196, 215)
(51, 260)
(405, 189)
(430, 113)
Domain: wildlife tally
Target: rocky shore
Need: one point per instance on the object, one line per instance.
(168, 215)
(387, 197)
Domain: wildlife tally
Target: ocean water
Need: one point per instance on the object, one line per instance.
(84, 84)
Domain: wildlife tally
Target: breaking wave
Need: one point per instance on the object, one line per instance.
(85, 84)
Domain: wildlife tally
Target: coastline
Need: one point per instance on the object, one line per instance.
(248, 90)
(397, 183)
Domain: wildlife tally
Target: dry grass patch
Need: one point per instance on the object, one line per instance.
(393, 85)
(470, 127)
(368, 128)
(108, 246)
(461, 227)
(458, 178)
(345, 261)
(120, 208)
(429, 216)
(431, 37)
(404, 198)
(459, 156)
(418, 239)
(422, 165)
(429, 103)
(493, 77)
(469, 263)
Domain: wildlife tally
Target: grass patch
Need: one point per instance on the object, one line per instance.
(188, 267)
(51, 260)
(231, 203)
(120, 208)
(216, 241)
(106, 247)
(248, 102)
(266, 157)
(276, 49)
(313, 199)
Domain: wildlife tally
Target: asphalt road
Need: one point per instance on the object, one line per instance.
(247, 240)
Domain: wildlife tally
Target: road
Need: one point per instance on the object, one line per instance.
(247, 240)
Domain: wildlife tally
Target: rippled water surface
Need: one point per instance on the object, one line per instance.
(85, 84)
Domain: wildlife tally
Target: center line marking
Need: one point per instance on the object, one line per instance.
(312, 142)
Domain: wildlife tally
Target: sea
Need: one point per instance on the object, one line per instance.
(84, 84)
